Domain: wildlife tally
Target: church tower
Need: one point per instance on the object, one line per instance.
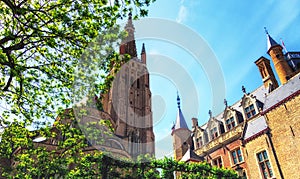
(129, 100)
(182, 141)
(282, 68)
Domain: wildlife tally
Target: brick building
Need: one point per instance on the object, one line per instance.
(127, 105)
(259, 134)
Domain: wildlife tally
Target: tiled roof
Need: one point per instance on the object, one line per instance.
(255, 128)
(282, 93)
(191, 156)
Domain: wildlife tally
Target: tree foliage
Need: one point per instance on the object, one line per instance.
(71, 159)
(41, 42)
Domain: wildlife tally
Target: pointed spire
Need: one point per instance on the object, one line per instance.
(270, 41)
(180, 120)
(178, 100)
(143, 49)
(143, 54)
(128, 45)
(129, 25)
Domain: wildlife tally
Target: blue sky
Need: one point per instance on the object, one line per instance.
(234, 30)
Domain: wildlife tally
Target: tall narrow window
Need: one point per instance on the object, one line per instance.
(237, 156)
(199, 142)
(217, 162)
(230, 123)
(250, 111)
(214, 133)
(138, 83)
(264, 164)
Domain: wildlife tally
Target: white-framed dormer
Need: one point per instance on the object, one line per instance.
(250, 106)
(231, 118)
(199, 134)
(214, 128)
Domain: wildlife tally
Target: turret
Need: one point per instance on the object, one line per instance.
(181, 135)
(282, 68)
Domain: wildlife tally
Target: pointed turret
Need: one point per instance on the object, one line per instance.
(128, 44)
(143, 54)
(182, 140)
(180, 120)
(282, 68)
(270, 42)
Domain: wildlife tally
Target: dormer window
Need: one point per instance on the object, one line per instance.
(250, 111)
(199, 142)
(230, 123)
(214, 133)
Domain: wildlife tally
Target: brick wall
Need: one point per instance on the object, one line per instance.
(284, 122)
(253, 147)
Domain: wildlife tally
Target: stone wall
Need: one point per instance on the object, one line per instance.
(253, 147)
(284, 122)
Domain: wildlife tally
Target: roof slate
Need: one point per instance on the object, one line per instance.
(254, 127)
(180, 121)
(191, 156)
(282, 92)
(271, 42)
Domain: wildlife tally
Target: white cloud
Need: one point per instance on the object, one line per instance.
(182, 14)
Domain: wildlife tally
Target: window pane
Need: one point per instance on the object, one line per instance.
(265, 155)
(259, 157)
(247, 109)
(234, 157)
(248, 115)
(264, 164)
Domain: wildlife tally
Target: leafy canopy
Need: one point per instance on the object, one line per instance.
(41, 42)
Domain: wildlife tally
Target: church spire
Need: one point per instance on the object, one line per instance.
(128, 44)
(180, 120)
(143, 54)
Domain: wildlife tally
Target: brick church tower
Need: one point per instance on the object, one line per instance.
(128, 102)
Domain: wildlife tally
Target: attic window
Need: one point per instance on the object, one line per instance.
(250, 111)
(214, 133)
(230, 123)
(199, 142)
